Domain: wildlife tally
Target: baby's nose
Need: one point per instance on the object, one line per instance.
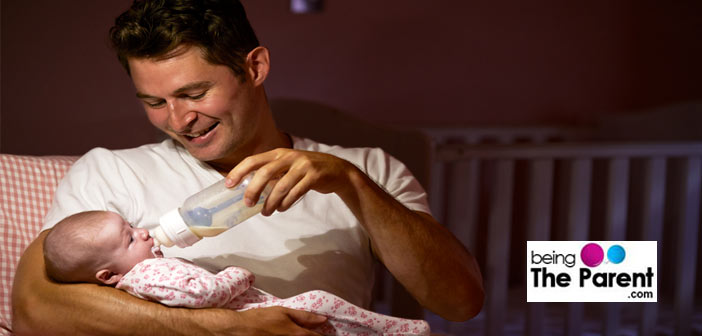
(142, 234)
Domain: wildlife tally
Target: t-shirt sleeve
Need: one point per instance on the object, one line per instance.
(395, 178)
(96, 181)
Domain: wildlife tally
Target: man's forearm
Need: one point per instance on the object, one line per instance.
(43, 307)
(422, 255)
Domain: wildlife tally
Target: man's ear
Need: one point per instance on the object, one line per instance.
(108, 277)
(258, 64)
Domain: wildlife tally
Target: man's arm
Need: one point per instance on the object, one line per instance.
(422, 255)
(43, 307)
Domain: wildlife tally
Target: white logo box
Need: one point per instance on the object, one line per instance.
(550, 264)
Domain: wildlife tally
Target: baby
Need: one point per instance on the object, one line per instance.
(101, 247)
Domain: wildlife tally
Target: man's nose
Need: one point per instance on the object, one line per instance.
(180, 116)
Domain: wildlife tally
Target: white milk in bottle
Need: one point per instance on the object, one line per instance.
(207, 213)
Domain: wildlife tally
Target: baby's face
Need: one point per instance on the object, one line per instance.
(124, 245)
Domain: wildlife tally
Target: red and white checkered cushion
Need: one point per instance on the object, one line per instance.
(27, 185)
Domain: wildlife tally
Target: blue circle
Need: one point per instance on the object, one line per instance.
(616, 254)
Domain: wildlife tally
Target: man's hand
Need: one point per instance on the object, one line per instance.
(294, 173)
(278, 321)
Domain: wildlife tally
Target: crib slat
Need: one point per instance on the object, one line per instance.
(499, 228)
(687, 229)
(654, 198)
(538, 227)
(615, 226)
(580, 181)
(617, 198)
(540, 197)
(436, 190)
(462, 212)
(653, 206)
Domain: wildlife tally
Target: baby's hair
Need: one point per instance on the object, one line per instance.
(69, 248)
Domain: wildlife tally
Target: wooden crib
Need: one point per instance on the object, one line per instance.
(498, 189)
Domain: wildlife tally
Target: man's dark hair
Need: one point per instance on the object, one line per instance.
(156, 28)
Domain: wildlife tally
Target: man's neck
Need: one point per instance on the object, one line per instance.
(281, 140)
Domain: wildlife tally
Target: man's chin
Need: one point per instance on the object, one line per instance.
(215, 156)
(202, 154)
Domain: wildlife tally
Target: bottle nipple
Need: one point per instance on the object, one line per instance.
(156, 248)
(156, 251)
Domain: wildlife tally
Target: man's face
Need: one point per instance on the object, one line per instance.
(126, 246)
(203, 106)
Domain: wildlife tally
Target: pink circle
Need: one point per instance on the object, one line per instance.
(592, 254)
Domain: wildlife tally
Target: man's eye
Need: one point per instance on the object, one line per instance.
(155, 105)
(198, 96)
(131, 239)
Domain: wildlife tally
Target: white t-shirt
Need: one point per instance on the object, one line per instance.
(316, 244)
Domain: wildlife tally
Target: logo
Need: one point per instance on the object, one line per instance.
(592, 254)
(580, 271)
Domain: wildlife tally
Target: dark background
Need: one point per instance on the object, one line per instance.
(407, 62)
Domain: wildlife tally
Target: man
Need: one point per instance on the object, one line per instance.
(199, 71)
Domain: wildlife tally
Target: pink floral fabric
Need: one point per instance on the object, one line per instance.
(175, 282)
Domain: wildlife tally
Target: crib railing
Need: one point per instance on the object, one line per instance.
(495, 197)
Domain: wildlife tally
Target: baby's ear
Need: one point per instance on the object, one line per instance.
(108, 277)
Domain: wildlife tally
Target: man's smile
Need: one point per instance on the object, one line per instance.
(200, 136)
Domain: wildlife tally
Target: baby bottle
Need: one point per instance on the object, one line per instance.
(207, 213)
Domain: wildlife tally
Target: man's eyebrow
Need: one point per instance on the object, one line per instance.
(193, 86)
(185, 88)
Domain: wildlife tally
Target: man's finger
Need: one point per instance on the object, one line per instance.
(246, 166)
(306, 319)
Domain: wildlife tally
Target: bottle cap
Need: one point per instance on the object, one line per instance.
(175, 229)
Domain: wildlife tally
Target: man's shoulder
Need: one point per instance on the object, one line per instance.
(165, 150)
(353, 154)
(139, 162)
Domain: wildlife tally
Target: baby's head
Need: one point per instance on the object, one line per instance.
(94, 246)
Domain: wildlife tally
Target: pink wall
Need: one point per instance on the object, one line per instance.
(405, 62)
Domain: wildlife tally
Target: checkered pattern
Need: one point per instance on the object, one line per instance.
(27, 185)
